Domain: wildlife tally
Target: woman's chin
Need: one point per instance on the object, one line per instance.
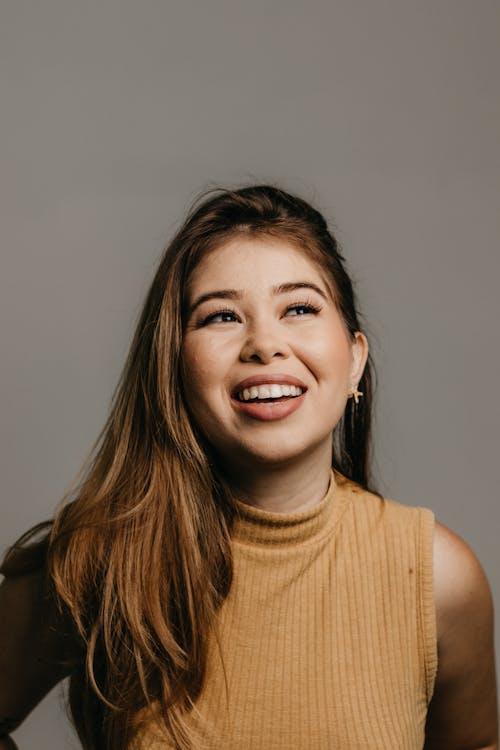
(273, 456)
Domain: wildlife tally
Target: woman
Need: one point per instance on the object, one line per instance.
(224, 576)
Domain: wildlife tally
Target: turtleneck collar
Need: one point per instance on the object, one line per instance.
(255, 526)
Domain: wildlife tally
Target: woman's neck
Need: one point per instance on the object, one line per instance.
(285, 488)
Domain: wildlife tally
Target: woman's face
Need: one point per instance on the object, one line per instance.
(267, 361)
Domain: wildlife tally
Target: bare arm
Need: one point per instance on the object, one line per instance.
(463, 711)
(31, 650)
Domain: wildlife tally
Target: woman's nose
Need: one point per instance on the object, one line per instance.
(263, 343)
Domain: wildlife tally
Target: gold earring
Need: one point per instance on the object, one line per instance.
(355, 393)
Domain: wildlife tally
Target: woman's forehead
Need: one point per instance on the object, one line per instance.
(257, 261)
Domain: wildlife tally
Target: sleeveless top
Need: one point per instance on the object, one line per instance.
(327, 639)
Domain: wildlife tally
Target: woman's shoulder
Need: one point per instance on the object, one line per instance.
(464, 700)
(460, 583)
(32, 647)
(35, 638)
(459, 578)
(464, 603)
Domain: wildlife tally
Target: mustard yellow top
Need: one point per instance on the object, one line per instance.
(328, 635)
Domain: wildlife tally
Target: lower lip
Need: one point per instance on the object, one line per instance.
(271, 410)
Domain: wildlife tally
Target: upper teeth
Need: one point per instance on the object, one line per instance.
(269, 391)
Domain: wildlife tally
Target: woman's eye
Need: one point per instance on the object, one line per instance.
(298, 310)
(222, 316)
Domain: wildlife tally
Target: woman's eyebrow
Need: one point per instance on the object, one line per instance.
(219, 294)
(290, 286)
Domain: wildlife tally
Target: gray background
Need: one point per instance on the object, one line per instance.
(115, 114)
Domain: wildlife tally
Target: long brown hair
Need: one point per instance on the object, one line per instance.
(139, 556)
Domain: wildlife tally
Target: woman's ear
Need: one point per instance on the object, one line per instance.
(359, 350)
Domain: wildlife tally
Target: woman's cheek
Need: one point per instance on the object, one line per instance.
(201, 368)
(329, 357)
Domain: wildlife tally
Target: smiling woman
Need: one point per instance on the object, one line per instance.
(282, 328)
(225, 575)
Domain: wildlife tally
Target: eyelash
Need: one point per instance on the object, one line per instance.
(209, 318)
(309, 306)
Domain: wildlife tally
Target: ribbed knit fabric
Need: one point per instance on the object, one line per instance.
(328, 635)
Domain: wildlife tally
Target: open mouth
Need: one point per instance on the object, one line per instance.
(269, 394)
(269, 402)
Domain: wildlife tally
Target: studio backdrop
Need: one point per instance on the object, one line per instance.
(115, 114)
